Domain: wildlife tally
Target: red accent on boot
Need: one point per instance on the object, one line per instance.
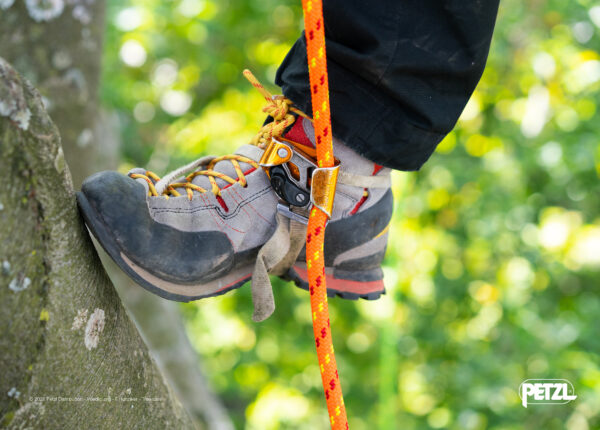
(297, 134)
(222, 203)
(360, 203)
(376, 169)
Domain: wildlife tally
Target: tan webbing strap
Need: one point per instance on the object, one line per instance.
(275, 257)
(347, 178)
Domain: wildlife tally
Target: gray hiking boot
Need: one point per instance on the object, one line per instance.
(197, 231)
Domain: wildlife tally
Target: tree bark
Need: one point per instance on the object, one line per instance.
(171, 348)
(57, 45)
(60, 51)
(70, 356)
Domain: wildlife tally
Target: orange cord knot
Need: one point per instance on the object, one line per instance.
(279, 108)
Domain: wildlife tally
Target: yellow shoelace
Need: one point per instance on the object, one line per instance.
(278, 107)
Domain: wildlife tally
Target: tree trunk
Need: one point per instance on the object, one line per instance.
(60, 51)
(57, 45)
(171, 348)
(70, 356)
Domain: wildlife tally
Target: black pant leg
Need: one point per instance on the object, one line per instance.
(400, 72)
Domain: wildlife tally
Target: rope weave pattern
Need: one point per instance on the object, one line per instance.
(317, 68)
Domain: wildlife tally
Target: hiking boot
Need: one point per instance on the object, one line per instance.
(196, 232)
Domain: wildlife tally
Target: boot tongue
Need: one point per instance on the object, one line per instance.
(298, 136)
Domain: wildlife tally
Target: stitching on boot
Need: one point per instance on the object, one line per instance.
(208, 206)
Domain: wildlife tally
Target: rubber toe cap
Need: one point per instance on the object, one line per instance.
(119, 204)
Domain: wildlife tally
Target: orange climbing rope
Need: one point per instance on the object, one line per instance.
(315, 233)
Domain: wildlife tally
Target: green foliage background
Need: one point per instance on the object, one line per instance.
(493, 265)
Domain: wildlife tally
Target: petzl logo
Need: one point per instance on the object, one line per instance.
(546, 392)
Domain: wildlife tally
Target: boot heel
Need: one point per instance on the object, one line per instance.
(363, 284)
(354, 250)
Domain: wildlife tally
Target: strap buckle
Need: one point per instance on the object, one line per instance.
(288, 213)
